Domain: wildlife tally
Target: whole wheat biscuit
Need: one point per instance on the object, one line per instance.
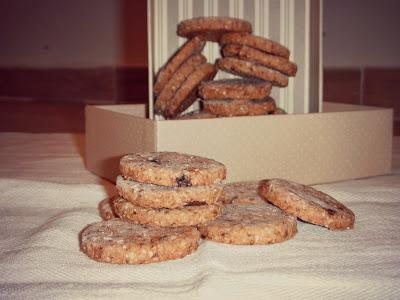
(272, 61)
(106, 209)
(172, 169)
(256, 42)
(198, 114)
(119, 242)
(192, 46)
(189, 215)
(243, 192)
(230, 108)
(307, 204)
(249, 225)
(156, 196)
(176, 81)
(239, 89)
(211, 28)
(249, 69)
(187, 93)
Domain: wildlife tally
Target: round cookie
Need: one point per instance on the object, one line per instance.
(249, 69)
(307, 203)
(243, 192)
(230, 108)
(198, 114)
(256, 42)
(249, 225)
(156, 196)
(192, 46)
(272, 61)
(176, 81)
(119, 242)
(172, 169)
(190, 215)
(211, 28)
(106, 209)
(187, 93)
(278, 111)
(239, 89)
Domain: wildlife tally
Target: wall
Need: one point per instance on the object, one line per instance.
(361, 33)
(72, 33)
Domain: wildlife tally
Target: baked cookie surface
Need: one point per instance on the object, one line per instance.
(157, 196)
(192, 46)
(250, 69)
(189, 215)
(119, 242)
(307, 203)
(256, 42)
(211, 28)
(198, 114)
(249, 225)
(242, 192)
(176, 81)
(172, 169)
(186, 95)
(272, 61)
(231, 108)
(237, 89)
(106, 209)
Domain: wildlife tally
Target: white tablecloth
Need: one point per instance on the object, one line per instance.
(47, 197)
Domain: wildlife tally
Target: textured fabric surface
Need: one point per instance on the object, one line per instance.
(42, 216)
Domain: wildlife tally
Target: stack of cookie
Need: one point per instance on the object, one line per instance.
(260, 62)
(161, 194)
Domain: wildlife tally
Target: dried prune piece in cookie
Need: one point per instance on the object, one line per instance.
(242, 192)
(231, 108)
(250, 69)
(176, 81)
(119, 242)
(250, 225)
(158, 196)
(172, 169)
(212, 28)
(257, 42)
(192, 46)
(307, 203)
(272, 61)
(234, 89)
(191, 214)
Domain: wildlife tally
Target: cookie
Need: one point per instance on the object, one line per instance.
(198, 114)
(243, 192)
(172, 169)
(256, 42)
(189, 215)
(239, 89)
(119, 242)
(249, 225)
(307, 203)
(272, 61)
(176, 81)
(250, 69)
(106, 209)
(187, 93)
(192, 46)
(211, 28)
(230, 108)
(156, 196)
(278, 111)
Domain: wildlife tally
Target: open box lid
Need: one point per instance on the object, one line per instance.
(295, 24)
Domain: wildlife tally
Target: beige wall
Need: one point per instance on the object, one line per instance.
(361, 33)
(72, 33)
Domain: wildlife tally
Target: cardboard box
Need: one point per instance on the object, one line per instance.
(342, 142)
